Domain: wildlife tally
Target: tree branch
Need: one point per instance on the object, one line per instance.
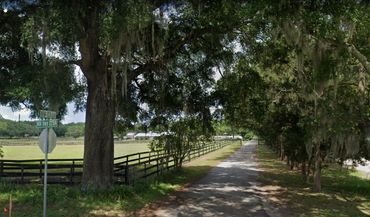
(352, 50)
(359, 56)
(75, 62)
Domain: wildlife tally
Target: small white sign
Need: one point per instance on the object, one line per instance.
(52, 140)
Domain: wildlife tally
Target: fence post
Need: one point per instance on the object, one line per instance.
(126, 171)
(157, 167)
(72, 172)
(2, 169)
(139, 158)
(145, 171)
(40, 171)
(22, 171)
(168, 162)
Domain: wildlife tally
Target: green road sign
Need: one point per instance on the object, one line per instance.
(48, 114)
(47, 123)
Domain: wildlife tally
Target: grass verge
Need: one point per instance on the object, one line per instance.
(69, 201)
(344, 193)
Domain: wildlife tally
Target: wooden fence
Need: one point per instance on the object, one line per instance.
(128, 169)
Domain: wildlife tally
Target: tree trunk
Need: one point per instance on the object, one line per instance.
(181, 161)
(100, 110)
(99, 148)
(309, 170)
(341, 163)
(317, 175)
(304, 171)
(281, 149)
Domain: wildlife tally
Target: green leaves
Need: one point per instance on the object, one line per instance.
(310, 87)
(183, 135)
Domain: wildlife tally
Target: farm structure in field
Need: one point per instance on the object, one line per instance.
(128, 169)
(222, 138)
(144, 136)
(152, 135)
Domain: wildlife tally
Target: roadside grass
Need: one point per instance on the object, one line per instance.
(69, 201)
(344, 192)
(27, 149)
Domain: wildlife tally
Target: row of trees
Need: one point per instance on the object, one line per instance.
(11, 129)
(302, 82)
(18, 129)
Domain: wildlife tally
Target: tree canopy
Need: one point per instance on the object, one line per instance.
(294, 72)
(151, 60)
(302, 84)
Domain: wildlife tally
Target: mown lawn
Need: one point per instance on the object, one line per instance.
(344, 192)
(69, 201)
(21, 149)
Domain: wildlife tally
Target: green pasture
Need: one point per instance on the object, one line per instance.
(19, 149)
(120, 201)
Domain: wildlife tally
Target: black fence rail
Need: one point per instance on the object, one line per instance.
(128, 169)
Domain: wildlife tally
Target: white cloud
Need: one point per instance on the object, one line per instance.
(22, 114)
(73, 117)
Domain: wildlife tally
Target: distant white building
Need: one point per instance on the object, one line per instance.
(130, 135)
(219, 138)
(149, 135)
(365, 168)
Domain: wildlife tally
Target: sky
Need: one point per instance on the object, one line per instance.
(7, 113)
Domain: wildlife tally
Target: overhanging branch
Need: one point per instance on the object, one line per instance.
(75, 62)
(359, 56)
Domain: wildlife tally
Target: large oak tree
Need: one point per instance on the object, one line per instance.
(123, 49)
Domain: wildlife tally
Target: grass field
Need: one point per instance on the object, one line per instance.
(69, 201)
(344, 193)
(20, 149)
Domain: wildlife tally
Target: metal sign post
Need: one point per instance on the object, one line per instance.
(47, 138)
(46, 171)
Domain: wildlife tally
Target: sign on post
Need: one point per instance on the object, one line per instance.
(47, 123)
(48, 114)
(44, 140)
(47, 143)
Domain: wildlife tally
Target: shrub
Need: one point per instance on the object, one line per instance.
(183, 136)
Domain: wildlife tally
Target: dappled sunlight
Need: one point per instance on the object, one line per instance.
(364, 208)
(228, 190)
(342, 195)
(249, 166)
